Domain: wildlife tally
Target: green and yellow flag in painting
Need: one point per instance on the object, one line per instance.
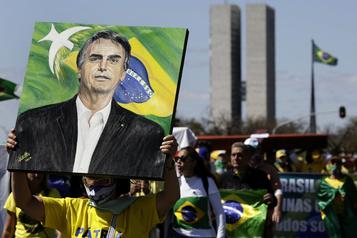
(191, 213)
(322, 56)
(7, 90)
(337, 201)
(245, 213)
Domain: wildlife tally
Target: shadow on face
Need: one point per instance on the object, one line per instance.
(185, 163)
(239, 158)
(97, 181)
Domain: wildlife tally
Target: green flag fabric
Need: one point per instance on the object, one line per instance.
(245, 212)
(322, 56)
(7, 90)
(191, 213)
(337, 201)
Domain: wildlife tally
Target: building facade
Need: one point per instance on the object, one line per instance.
(225, 62)
(260, 62)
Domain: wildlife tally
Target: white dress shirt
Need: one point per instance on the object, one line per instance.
(90, 127)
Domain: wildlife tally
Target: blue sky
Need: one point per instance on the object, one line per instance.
(332, 24)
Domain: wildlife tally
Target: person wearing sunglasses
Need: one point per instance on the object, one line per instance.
(108, 211)
(199, 198)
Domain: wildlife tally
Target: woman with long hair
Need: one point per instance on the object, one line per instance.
(199, 206)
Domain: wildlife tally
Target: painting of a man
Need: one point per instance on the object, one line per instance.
(91, 133)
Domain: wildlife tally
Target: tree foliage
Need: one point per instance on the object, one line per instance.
(344, 139)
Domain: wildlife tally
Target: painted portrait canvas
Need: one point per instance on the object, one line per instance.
(98, 99)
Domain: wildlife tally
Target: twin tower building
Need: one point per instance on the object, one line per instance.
(228, 90)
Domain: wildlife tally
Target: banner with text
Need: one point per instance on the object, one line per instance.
(300, 213)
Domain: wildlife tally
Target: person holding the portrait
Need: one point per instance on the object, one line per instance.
(91, 133)
(107, 211)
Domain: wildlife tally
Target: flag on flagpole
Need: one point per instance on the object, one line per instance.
(7, 90)
(321, 56)
(245, 212)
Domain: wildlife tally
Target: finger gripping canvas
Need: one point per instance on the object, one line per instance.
(98, 99)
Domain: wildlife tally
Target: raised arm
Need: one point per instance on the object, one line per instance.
(30, 204)
(167, 198)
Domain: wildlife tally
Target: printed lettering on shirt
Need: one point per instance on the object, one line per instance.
(97, 233)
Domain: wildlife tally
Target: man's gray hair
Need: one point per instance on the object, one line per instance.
(109, 35)
(247, 148)
(238, 145)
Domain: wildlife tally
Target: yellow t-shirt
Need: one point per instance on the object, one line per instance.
(73, 217)
(25, 225)
(156, 186)
(314, 167)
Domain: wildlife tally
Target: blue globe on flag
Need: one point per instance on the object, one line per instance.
(233, 211)
(325, 56)
(189, 213)
(136, 85)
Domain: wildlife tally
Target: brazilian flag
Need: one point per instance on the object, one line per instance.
(191, 213)
(337, 201)
(7, 90)
(322, 56)
(245, 212)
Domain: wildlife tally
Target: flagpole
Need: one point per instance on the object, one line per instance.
(312, 105)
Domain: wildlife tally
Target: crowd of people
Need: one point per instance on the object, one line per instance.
(336, 192)
(313, 161)
(187, 203)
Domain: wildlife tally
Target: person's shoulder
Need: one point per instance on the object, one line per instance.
(53, 192)
(211, 180)
(265, 166)
(228, 180)
(257, 174)
(324, 177)
(225, 177)
(144, 201)
(76, 201)
(68, 201)
(10, 199)
(147, 197)
(212, 185)
(10, 203)
(228, 173)
(347, 179)
(43, 111)
(270, 171)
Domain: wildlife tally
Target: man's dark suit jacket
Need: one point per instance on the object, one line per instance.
(129, 145)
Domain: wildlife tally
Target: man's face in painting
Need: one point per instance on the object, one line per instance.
(103, 67)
